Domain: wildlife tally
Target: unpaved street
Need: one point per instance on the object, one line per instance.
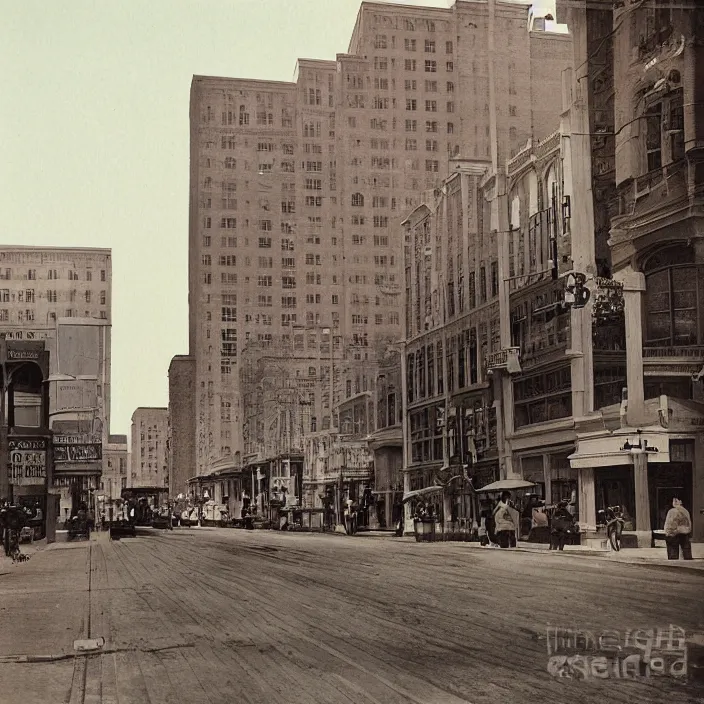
(238, 616)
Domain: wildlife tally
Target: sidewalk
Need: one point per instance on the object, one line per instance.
(648, 556)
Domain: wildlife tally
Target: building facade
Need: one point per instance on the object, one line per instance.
(63, 296)
(181, 438)
(115, 467)
(148, 453)
(297, 188)
(636, 121)
(26, 448)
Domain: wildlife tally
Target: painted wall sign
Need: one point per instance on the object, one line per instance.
(78, 453)
(27, 461)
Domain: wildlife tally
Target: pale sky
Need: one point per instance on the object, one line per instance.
(94, 121)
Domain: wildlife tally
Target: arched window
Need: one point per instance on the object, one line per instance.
(671, 305)
(357, 199)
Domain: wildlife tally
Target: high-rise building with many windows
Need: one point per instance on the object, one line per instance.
(298, 189)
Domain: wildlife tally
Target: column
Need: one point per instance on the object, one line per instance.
(633, 287)
(547, 478)
(587, 498)
(640, 471)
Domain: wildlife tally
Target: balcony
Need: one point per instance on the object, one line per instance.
(679, 360)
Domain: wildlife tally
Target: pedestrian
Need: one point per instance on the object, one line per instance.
(678, 530)
(539, 530)
(506, 520)
(482, 531)
(560, 526)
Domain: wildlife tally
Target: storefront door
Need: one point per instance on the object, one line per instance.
(615, 487)
(665, 482)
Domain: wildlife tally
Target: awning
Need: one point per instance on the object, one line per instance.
(421, 492)
(605, 449)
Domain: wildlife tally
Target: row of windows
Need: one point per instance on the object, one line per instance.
(430, 105)
(29, 315)
(51, 275)
(52, 295)
(381, 41)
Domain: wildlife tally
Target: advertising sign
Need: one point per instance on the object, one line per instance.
(27, 461)
(92, 452)
(85, 483)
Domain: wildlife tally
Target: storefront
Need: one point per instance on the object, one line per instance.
(27, 468)
(641, 469)
(78, 465)
(555, 479)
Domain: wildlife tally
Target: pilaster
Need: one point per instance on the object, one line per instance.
(587, 498)
(633, 287)
(640, 472)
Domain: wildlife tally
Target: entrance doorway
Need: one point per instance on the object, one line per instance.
(615, 486)
(666, 481)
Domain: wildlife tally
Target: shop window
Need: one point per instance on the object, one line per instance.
(671, 298)
(543, 397)
(532, 470)
(609, 383)
(426, 435)
(564, 482)
(614, 486)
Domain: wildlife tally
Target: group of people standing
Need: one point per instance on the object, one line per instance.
(501, 524)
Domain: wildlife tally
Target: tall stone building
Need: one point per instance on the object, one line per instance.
(181, 439)
(297, 189)
(63, 297)
(148, 448)
(637, 134)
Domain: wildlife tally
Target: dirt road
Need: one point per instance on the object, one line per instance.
(262, 617)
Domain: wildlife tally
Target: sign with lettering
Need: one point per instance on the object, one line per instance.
(67, 481)
(26, 334)
(77, 439)
(27, 461)
(610, 654)
(92, 452)
(22, 354)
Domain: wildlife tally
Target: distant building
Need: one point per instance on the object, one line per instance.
(297, 189)
(148, 448)
(181, 424)
(63, 296)
(115, 467)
